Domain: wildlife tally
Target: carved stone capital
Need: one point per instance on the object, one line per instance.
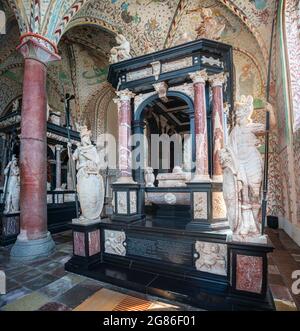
(124, 95)
(161, 88)
(199, 76)
(38, 48)
(58, 148)
(217, 79)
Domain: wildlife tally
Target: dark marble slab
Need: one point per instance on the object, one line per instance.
(75, 296)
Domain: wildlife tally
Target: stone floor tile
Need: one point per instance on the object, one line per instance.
(59, 272)
(61, 285)
(28, 302)
(54, 306)
(13, 295)
(17, 270)
(75, 296)
(40, 282)
(92, 284)
(50, 266)
(27, 275)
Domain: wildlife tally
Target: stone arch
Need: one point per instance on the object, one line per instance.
(95, 109)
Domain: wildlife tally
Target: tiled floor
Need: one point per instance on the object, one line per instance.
(45, 285)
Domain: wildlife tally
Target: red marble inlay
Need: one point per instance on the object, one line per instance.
(249, 273)
(79, 246)
(94, 242)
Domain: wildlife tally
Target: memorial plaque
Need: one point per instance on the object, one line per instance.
(168, 250)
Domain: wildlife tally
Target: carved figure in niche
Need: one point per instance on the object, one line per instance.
(243, 171)
(209, 26)
(12, 187)
(90, 185)
(149, 177)
(120, 52)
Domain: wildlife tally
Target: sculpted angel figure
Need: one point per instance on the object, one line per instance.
(120, 52)
(12, 187)
(243, 171)
(90, 185)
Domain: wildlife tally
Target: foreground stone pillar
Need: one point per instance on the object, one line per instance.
(201, 174)
(58, 149)
(124, 120)
(34, 240)
(217, 82)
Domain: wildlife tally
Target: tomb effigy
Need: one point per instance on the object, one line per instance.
(187, 228)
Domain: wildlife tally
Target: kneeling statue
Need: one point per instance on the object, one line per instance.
(90, 185)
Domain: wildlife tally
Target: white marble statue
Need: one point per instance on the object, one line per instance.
(120, 52)
(12, 187)
(243, 172)
(90, 185)
(149, 177)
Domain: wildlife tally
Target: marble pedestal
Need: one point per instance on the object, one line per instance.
(127, 202)
(208, 210)
(86, 245)
(248, 269)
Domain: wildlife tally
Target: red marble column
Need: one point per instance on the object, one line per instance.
(201, 174)
(217, 82)
(124, 119)
(34, 239)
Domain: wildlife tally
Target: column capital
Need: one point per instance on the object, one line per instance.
(124, 95)
(38, 47)
(199, 76)
(217, 79)
(58, 147)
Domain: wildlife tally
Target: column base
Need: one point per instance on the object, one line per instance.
(32, 249)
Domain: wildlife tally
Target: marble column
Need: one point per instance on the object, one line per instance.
(58, 149)
(124, 123)
(201, 173)
(216, 82)
(34, 240)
